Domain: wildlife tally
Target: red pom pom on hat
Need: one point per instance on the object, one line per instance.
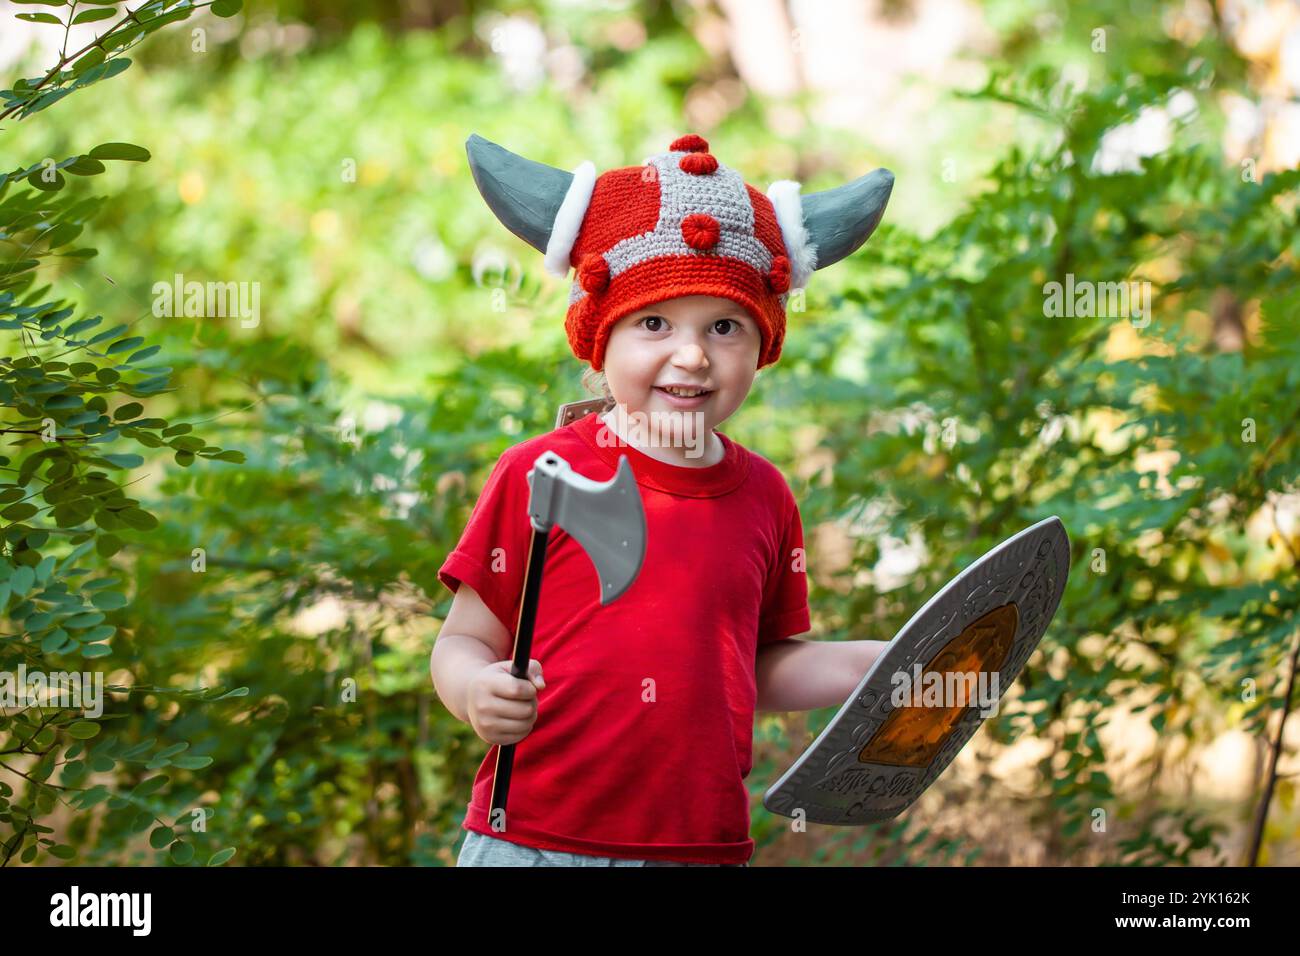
(690, 143)
(778, 277)
(699, 164)
(594, 273)
(700, 231)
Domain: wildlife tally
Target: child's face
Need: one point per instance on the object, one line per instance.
(695, 340)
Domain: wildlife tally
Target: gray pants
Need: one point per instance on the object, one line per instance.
(479, 849)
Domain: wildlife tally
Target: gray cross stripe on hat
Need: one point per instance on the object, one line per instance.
(721, 195)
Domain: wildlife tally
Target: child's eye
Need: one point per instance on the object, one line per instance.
(731, 322)
(651, 318)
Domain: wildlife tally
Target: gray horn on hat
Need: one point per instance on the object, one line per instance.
(840, 220)
(526, 195)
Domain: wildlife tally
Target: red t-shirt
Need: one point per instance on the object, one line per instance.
(645, 727)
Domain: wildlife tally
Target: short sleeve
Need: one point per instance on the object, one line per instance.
(492, 554)
(785, 595)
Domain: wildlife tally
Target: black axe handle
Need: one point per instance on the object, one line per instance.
(519, 668)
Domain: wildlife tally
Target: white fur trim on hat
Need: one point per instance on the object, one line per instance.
(784, 194)
(568, 220)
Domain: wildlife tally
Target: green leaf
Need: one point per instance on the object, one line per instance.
(124, 461)
(129, 410)
(99, 633)
(102, 762)
(77, 328)
(38, 178)
(83, 729)
(21, 580)
(221, 856)
(102, 71)
(90, 16)
(89, 798)
(121, 345)
(108, 334)
(226, 8)
(161, 837)
(125, 151)
(46, 99)
(56, 641)
(109, 600)
(93, 57)
(87, 619)
(192, 762)
(85, 166)
(151, 785)
(182, 852)
(138, 518)
(143, 354)
(39, 18)
(60, 235)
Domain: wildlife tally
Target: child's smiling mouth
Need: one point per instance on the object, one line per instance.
(684, 400)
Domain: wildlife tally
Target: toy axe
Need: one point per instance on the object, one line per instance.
(607, 520)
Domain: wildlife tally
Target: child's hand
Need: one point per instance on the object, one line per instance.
(502, 707)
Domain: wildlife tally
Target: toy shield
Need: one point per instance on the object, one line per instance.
(932, 687)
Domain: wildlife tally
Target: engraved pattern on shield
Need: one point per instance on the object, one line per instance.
(874, 791)
(843, 782)
(1032, 595)
(996, 589)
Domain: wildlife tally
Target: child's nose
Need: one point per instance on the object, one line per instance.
(690, 355)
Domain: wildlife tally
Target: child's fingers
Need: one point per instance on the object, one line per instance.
(515, 689)
(515, 710)
(535, 673)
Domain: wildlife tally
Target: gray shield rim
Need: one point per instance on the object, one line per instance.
(1029, 568)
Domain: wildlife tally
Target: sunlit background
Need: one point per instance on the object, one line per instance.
(924, 409)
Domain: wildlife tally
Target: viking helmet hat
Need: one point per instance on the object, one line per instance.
(680, 224)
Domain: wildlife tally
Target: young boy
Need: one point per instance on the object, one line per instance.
(633, 750)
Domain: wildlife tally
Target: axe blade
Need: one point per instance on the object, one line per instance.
(605, 517)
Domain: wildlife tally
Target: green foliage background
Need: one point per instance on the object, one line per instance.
(267, 601)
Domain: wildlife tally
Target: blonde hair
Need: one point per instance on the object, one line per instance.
(597, 384)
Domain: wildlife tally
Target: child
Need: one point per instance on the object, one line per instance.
(634, 748)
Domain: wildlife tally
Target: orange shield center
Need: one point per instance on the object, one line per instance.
(911, 735)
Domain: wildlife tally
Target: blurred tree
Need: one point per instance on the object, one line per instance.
(63, 515)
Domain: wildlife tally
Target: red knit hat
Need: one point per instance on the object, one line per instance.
(679, 224)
